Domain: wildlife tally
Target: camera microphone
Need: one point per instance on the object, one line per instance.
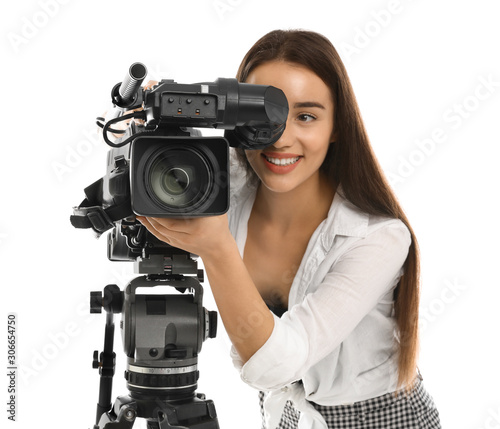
(125, 94)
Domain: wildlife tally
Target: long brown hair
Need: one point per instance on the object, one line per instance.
(351, 163)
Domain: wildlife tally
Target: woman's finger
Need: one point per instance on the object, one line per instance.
(145, 222)
(152, 228)
(168, 224)
(150, 84)
(159, 230)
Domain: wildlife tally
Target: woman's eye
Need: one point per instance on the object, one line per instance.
(306, 117)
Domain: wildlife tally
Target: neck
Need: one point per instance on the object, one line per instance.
(309, 202)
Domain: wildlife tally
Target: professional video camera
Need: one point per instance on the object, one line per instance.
(162, 167)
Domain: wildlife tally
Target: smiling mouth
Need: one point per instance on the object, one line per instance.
(282, 162)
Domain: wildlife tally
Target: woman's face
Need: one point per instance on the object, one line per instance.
(296, 157)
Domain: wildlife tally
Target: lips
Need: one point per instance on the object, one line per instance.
(281, 163)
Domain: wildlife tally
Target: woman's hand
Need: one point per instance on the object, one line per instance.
(203, 236)
(247, 320)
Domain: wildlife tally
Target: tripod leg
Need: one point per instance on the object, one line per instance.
(106, 365)
(122, 416)
(163, 422)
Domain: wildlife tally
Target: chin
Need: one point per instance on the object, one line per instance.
(279, 186)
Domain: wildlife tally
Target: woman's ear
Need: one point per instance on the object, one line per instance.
(334, 137)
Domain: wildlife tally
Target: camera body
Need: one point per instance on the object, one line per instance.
(173, 171)
(161, 166)
(169, 176)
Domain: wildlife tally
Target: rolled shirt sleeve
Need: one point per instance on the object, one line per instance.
(316, 326)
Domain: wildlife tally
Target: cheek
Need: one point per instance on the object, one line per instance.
(319, 156)
(324, 139)
(252, 156)
(317, 144)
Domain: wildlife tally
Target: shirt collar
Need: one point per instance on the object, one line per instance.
(344, 218)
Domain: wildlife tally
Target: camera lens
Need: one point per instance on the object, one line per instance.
(178, 178)
(174, 181)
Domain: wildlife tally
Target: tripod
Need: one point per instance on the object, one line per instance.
(162, 336)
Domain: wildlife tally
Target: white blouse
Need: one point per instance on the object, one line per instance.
(338, 335)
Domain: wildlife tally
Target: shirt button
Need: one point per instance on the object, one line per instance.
(285, 389)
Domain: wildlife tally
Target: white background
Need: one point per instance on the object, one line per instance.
(421, 70)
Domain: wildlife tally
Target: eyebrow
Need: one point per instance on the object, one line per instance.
(308, 104)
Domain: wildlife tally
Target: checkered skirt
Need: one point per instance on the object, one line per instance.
(413, 411)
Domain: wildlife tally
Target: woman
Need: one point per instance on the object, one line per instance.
(316, 236)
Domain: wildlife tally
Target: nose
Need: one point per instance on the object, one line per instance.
(286, 139)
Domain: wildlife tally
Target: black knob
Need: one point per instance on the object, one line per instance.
(113, 299)
(95, 361)
(176, 354)
(95, 302)
(212, 324)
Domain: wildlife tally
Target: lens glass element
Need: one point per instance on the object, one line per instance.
(178, 177)
(174, 181)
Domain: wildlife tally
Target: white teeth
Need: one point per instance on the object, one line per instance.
(282, 162)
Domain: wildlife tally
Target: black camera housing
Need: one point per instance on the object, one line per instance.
(179, 176)
(160, 166)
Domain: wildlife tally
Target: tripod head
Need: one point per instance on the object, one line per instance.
(162, 336)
